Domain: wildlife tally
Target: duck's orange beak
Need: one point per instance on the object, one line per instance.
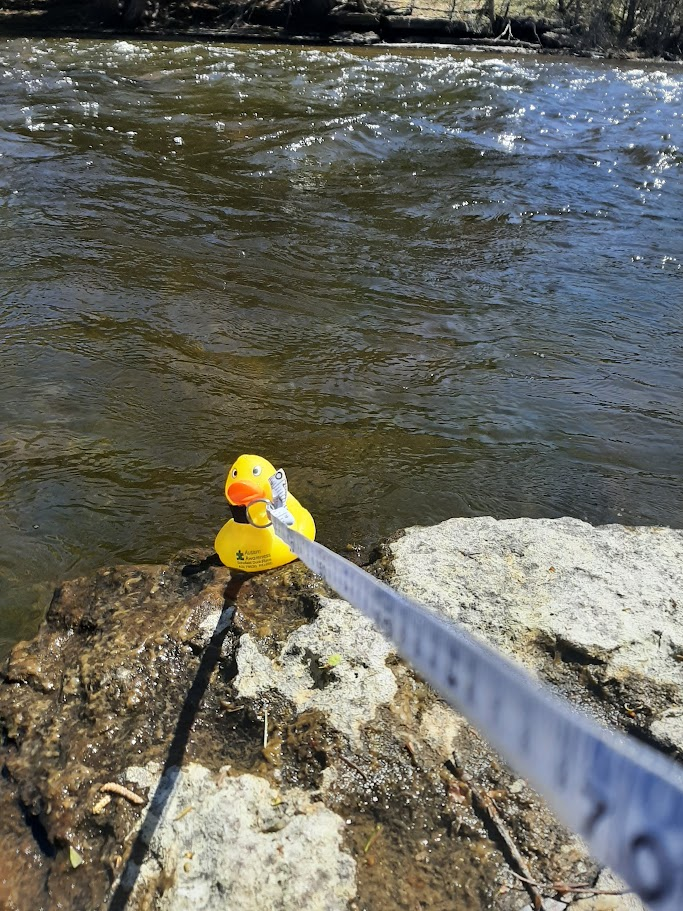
(242, 493)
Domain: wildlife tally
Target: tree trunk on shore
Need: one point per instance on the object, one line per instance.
(630, 20)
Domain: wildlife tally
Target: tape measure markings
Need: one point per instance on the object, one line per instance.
(622, 797)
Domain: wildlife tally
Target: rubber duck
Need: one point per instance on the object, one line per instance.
(248, 542)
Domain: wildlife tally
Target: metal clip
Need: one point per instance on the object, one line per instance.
(249, 518)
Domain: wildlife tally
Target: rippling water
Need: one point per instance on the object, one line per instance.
(427, 284)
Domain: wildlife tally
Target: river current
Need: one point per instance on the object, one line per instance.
(427, 283)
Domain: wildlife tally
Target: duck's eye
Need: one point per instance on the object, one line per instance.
(256, 471)
(234, 472)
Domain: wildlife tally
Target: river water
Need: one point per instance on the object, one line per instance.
(427, 283)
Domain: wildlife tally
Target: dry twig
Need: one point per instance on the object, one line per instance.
(488, 808)
(574, 888)
(354, 766)
(229, 707)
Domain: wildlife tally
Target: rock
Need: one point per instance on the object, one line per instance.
(396, 7)
(417, 25)
(273, 750)
(358, 39)
(548, 25)
(559, 592)
(348, 693)
(234, 841)
(343, 20)
(142, 674)
(549, 904)
(557, 39)
(667, 729)
(607, 881)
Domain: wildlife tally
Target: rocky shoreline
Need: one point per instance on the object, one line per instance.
(178, 735)
(519, 27)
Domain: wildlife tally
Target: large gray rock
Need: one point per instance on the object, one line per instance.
(558, 39)
(279, 753)
(234, 842)
(610, 598)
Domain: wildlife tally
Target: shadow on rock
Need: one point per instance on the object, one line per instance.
(178, 747)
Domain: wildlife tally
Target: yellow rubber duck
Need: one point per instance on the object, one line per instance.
(249, 543)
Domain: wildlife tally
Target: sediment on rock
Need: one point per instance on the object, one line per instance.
(167, 718)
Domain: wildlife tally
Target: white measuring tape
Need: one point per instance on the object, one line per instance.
(622, 797)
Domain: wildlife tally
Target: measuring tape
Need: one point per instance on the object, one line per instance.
(622, 797)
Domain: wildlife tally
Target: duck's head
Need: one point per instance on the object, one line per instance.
(248, 481)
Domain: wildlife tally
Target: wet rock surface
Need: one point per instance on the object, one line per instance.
(176, 735)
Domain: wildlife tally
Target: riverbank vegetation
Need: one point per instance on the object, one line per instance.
(651, 26)
(614, 27)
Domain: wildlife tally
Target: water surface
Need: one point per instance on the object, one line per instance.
(427, 283)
